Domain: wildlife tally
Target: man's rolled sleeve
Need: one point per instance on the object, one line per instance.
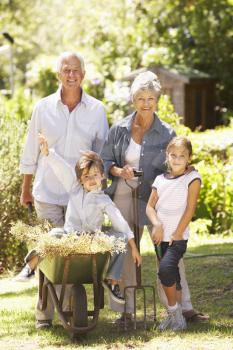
(31, 151)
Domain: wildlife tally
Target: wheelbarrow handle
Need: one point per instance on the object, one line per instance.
(30, 207)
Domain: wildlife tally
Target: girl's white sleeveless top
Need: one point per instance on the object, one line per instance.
(172, 201)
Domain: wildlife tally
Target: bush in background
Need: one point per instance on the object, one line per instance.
(14, 114)
(41, 75)
(213, 155)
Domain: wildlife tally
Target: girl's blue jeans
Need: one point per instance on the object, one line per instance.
(168, 267)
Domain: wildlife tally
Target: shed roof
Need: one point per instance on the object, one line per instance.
(182, 73)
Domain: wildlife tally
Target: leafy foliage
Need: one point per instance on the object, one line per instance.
(213, 156)
(42, 77)
(119, 36)
(13, 124)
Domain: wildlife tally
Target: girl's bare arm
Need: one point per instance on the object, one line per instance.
(193, 194)
(157, 230)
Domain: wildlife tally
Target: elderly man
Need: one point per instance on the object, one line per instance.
(72, 121)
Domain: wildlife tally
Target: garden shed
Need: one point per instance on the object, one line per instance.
(192, 93)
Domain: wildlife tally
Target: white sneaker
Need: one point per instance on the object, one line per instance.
(175, 321)
(178, 321)
(165, 324)
(25, 275)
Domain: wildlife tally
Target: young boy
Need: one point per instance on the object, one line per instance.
(87, 206)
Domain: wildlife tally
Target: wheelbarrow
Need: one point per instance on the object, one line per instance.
(138, 286)
(77, 270)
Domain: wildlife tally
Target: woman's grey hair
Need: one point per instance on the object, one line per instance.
(145, 81)
(67, 54)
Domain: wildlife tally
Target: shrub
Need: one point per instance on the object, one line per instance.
(213, 157)
(13, 123)
(166, 113)
(217, 194)
(42, 76)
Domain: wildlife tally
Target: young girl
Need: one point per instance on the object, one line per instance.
(86, 208)
(170, 208)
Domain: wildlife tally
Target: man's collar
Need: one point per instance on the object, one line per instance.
(84, 98)
(57, 97)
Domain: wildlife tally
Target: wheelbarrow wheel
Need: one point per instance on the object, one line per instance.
(78, 306)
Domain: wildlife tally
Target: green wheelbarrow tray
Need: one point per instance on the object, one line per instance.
(76, 270)
(80, 268)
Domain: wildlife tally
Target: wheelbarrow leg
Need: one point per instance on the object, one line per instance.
(43, 291)
(96, 289)
(64, 281)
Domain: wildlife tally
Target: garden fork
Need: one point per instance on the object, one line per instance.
(139, 285)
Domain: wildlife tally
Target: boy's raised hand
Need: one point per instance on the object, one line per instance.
(43, 145)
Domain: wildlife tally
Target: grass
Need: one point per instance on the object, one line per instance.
(211, 283)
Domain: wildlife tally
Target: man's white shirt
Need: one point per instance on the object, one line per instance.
(85, 128)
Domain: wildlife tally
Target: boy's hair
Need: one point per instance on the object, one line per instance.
(87, 160)
(180, 141)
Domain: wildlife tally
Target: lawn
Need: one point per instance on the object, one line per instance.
(211, 283)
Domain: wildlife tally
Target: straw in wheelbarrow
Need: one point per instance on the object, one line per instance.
(49, 245)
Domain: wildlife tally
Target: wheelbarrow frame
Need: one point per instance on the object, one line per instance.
(66, 317)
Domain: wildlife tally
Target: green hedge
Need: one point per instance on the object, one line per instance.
(213, 157)
(13, 124)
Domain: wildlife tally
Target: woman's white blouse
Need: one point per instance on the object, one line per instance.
(132, 154)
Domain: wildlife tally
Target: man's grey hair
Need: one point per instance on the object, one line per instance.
(67, 54)
(145, 81)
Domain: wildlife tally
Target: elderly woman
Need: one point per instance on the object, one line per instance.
(138, 142)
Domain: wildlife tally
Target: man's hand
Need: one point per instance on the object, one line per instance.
(137, 259)
(157, 233)
(43, 145)
(26, 197)
(26, 194)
